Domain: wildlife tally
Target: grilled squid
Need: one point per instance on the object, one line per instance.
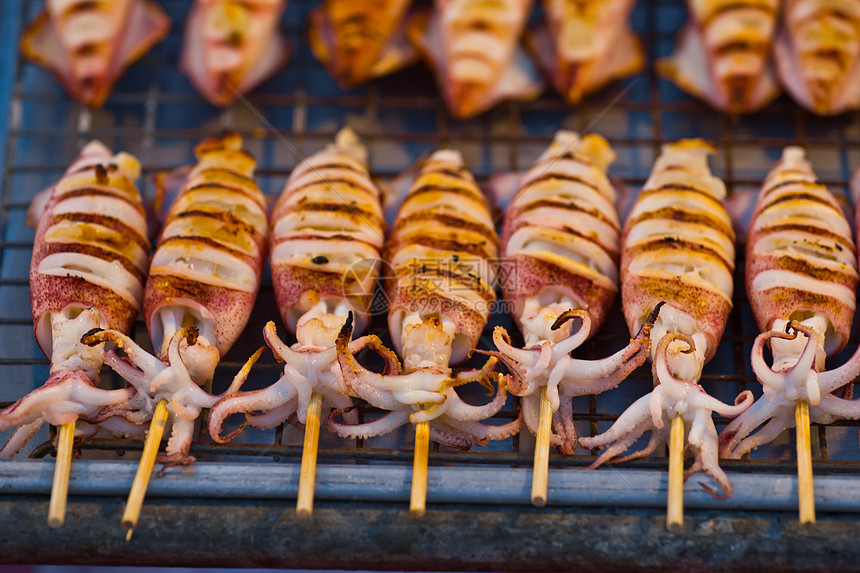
(327, 232)
(723, 54)
(87, 45)
(88, 269)
(677, 247)
(818, 54)
(583, 45)
(801, 278)
(232, 46)
(440, 292)
(202, 284)
(560, 262)
(474, 48)
(359, 41)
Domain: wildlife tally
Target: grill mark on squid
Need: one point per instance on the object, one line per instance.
(572, 205)
(210, 242)
(446, 219)
(106, 221)
(684, 216)
(99, 252)
(96, 192)
(668, 242)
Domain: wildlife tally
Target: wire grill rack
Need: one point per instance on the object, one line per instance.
(156, 115)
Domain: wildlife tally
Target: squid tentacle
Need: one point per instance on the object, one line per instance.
(387, 423)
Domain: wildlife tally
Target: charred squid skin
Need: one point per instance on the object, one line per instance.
(359, 41)
(212, 247)
(472, 81)
(723, 54)
(88, 45)
(584, 45)
(801, 282)
(818, 54)
(229, 48)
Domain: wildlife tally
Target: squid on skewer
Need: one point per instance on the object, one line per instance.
(359, 41)
(232, 46)
(801, 278)
(677, 247)
(474, 49)
(89, 266)
(327, 231)
(583, 45)
(818, 54)
(723, 55)
(560, 262)
(203, 281)
(87, 45)
(440, 293)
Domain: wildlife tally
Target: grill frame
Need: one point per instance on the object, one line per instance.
(148, 111)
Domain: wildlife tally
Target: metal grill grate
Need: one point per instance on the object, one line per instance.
(155, 114)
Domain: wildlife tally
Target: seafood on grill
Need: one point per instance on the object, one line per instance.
(801, 279)
(474, 48)
(678, 248)
(723, 54)
(560, 263)
(88, 45)
(202, 284)
(359, 41)
(440, 293)
(818, 54)
(327, 233)
(232, 46)
(89, 265)
(583, 45)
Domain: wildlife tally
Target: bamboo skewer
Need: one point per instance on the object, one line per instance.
(307, 477)
(418, 500)
(805, 492)
(60, 489)
(675, 504)
(144, 469)
(540, 473)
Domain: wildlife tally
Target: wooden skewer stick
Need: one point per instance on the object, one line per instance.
(60, 489)
(308, 476)
(418, 501)
(540, 473)
(675, 505)
(144, 469)
(805, 493)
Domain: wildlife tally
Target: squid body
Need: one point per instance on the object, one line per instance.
(678, 248)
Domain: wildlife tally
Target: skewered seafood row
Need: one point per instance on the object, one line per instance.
(203, 281)
(474, 48)
(560, 252)
(801, 278)
(677, 247)
(818, 54)
(440, 293)
(88, 45)
(359, 41)
(723, 54)
(231, 47)
(584, 45)
(89, 265)
(327, 231)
